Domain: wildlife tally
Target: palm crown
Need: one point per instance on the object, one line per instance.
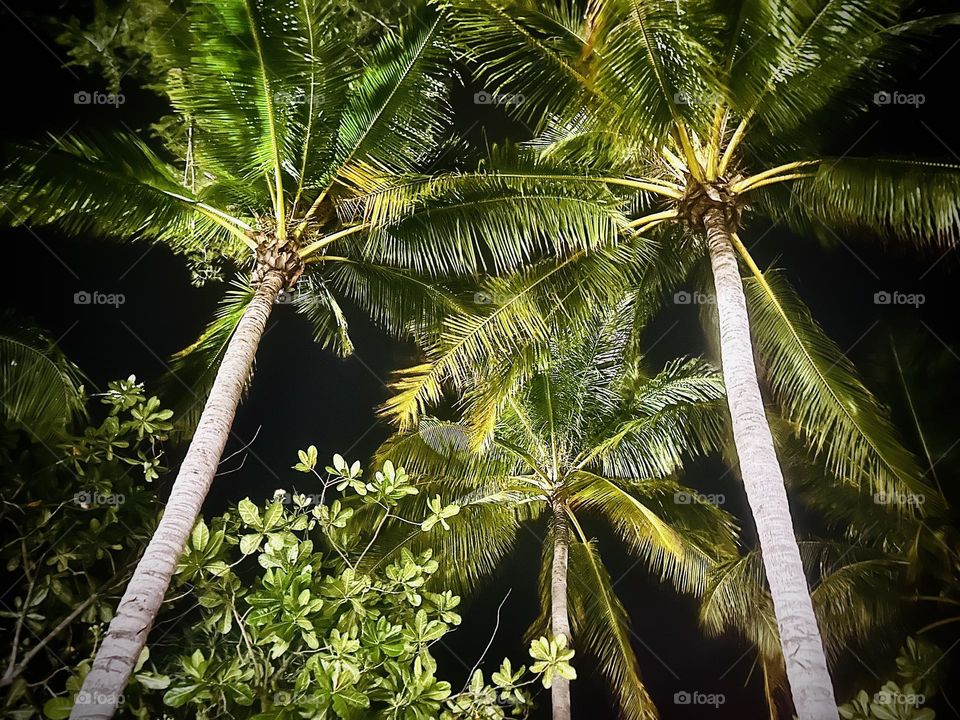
(652, 114)
(587, 432)
(281, 122)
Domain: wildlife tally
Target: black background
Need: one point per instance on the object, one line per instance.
(302, 395)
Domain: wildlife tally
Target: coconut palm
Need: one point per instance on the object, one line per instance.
(585, 431)
(855, 594)
(283, 122)
(690, 114)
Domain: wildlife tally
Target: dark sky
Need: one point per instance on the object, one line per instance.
(302, 395)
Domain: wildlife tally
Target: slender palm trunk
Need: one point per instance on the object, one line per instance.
(559, 615)
(800, 640)
(103, 688)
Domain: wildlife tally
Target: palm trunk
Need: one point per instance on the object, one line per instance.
(103, 687)
(559, 616)
(806, 663)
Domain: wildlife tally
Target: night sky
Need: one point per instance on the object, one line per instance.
(302, 395)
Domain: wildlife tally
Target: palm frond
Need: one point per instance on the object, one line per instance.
(318, 305)
(397, 107)
(513, 209)
(678, 535)
(656, 445)
(854, 594)
(902, 199)
(514, 312)
(438, 450)
(827, 39)
(481, 535)
(397, 298)
(230, 90)
(821, 395)
(113, 186)
(528, 55)
(40, 388)
(657, 62)
(601, 629)
(193, 369)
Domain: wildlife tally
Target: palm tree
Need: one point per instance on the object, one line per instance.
(583, 430)
(855, 594)
(682, 117)
(283, 123)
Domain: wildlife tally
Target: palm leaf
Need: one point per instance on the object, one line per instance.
(317, 303)
(193, 369)
(678, 539)
(397, 107)
(903, 199)
(655, 61)
(601, 629)
(854, 594)
(39, 387)
(115, 186)
(821, 395)
(527, 55)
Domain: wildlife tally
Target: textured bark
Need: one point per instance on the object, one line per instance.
(103, 688)
(806, 663)
(559, 615)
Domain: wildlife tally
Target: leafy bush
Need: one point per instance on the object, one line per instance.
(291, 619)
(904, 700)
(81, 509)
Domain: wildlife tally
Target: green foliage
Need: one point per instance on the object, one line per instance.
(286, 623)
(649, 101)
(78, 509)
(40, 389)
(572, 424)
(905, 698)
(825, 401)
(121, 41)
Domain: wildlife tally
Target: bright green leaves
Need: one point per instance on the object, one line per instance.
(308, 459)
(332, 516)
(321, 633)
(202, 554)
(148, 419)
(904, 700)
(347, 475)
(551, 658)
(439, 513)
(274, 526)
(208, 680)
(409, 574)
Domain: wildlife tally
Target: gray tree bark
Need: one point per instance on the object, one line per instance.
(559, 614)
(102, 689)
(800, 640)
